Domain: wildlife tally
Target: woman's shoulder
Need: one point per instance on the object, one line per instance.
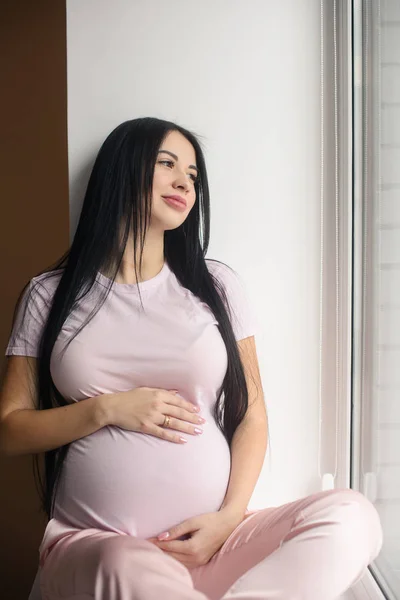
(236, 298)
(44, 285)
(47, 281)
(216, 266)
(224, 273)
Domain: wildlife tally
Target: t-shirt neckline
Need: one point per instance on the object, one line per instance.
(130, 288)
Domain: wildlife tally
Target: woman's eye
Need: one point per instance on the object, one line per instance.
(170, 163)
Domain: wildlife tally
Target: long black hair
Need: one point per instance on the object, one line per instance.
(118, 198)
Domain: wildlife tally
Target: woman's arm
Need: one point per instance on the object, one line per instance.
(250, 440)
(32, 431)
(26, 430)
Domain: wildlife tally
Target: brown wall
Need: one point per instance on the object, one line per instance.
(34, 227)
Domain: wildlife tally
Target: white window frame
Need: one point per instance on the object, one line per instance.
(343, 184)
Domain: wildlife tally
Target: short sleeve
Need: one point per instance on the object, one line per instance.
(243, 319)
(29, 322)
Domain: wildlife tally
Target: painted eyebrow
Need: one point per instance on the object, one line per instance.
(176, 158)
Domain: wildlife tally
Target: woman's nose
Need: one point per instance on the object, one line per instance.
(181, 181)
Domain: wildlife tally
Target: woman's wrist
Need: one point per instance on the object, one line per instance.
(234, 511)
(104, 410)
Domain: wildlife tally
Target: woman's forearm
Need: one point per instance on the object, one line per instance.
(248, 450)
(31, 431)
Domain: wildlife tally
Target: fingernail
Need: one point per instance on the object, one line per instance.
(163, 536)
(196, 408)
(197, 430)
(183, 440)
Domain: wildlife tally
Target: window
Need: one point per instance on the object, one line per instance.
(360, 266)
(376, 373)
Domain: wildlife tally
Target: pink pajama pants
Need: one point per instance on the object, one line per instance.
(314, 548)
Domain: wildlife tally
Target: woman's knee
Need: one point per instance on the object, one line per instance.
(359, 519)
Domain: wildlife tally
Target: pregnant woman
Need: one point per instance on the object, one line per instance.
(133, 368)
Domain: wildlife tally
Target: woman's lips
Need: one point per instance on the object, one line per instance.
(175, 203)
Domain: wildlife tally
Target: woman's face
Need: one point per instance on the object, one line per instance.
(174, 175)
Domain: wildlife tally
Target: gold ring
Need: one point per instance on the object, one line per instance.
(166, 421)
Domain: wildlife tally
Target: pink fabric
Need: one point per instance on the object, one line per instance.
(123, 481)
(314, 548)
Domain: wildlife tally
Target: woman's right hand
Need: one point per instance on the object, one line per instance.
(144, 410)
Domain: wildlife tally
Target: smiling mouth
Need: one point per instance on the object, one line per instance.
(175, 203)
(176, 199)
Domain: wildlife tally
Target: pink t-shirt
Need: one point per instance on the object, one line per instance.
(125, 481)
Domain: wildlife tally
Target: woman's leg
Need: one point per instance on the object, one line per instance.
(101, 565)
(314, 548)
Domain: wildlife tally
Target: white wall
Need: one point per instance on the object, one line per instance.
(245, 75)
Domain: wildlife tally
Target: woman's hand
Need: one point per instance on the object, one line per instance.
(208, 533)
(144, 409)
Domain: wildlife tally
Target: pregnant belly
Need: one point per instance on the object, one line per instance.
(138, 484)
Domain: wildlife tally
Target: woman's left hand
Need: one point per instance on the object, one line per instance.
(208, 532)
